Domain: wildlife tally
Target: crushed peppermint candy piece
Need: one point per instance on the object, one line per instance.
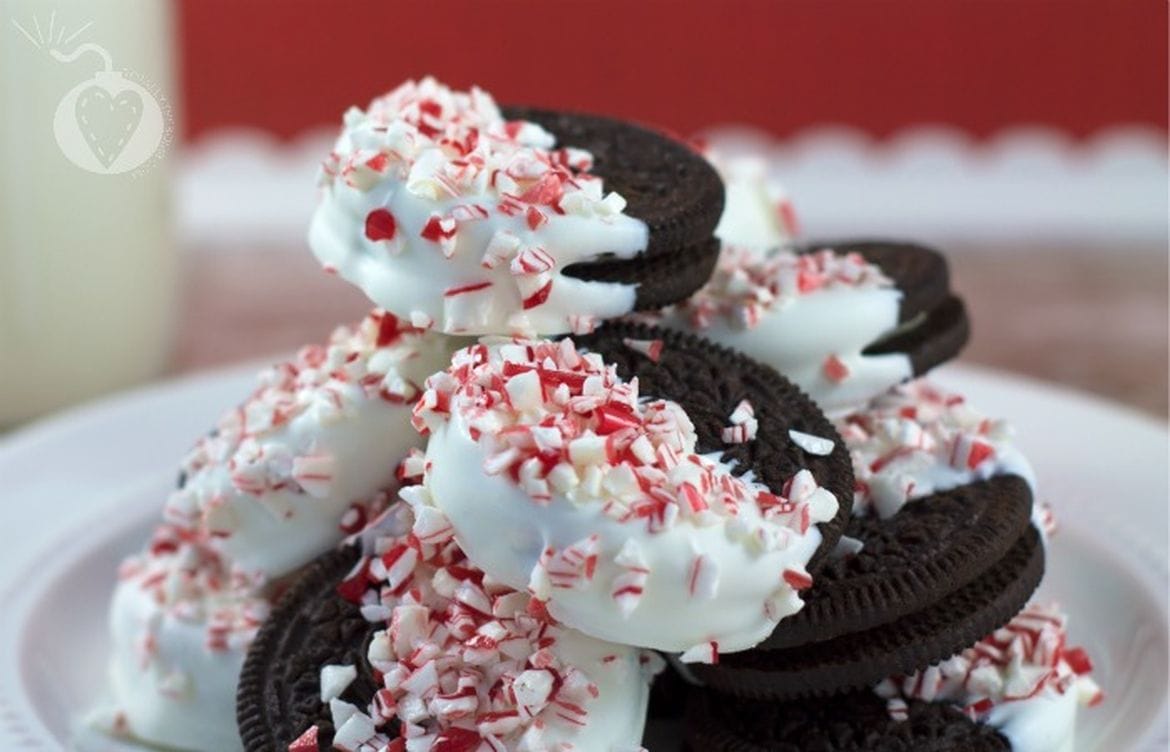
(704, 652)
(812, 444)
(306, 742)
(335, 680)
(1027, 658)
(835, 369)
(651, 348)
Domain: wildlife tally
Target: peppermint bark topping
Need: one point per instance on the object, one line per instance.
(252, 454)
(746, 286)
(189, 581)
(463, 662)
(916, 436)
(559, 421)
(1028, 658)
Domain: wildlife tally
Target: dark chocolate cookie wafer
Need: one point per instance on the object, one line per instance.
(933, 546)
(709, 381)
(667, 185)
(862, 658)
(279, 693)
(854, 722)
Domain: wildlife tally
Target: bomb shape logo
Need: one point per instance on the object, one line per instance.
(108, 124)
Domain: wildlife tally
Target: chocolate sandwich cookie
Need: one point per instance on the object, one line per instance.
(454, 213)
(844, 321)
(932, 321)
(941, 549)
(1018, 687)
(400, 637)
(655, 489)
(279, 694)
(667, 185)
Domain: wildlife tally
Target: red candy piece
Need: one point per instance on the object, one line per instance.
(380, 225)
(539, 297)
(451, 292)
(306, 742)
(353, 587)
(456, 740)
(979, 452)
(797, 579)
(1078, 661)
(835, 369)
(435, 231)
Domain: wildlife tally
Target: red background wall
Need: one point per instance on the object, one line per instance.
(981, 65)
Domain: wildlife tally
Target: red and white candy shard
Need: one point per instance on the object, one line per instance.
(563, 480)
(1024, 679)
(808, 315)
(467, 663)
(181, 621)
(444, 212)
(917, 439)
(270, 484)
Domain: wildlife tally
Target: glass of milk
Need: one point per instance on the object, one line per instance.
(87, 263)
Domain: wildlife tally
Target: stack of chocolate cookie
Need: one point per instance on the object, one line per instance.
(654, 448)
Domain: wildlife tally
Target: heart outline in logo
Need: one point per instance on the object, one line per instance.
(108, 122)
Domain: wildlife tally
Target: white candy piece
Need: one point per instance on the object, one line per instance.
(335, 680)
(811, 444)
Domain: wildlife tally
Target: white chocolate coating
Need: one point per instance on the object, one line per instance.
(704, 582)
(757, 213)
(305, 458)
(761, 307)
(918, 439)
(493, 263)
(321, 433)
(174, 674)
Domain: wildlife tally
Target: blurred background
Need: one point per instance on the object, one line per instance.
(157, 159)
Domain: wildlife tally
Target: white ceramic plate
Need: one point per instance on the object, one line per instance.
(79, 491)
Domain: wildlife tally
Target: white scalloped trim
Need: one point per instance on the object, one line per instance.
(1025, 183)
(931, 183)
